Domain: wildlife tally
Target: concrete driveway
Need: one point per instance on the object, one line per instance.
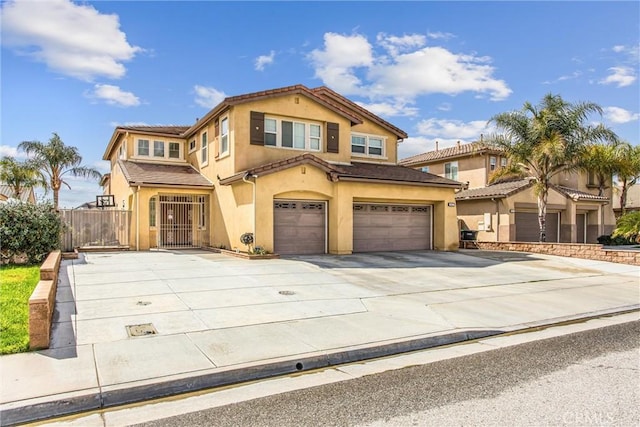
(220, 319)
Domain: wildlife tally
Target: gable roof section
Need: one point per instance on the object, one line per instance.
(354, 172)
(578, 195)
(165, 131)
(150, 174)
(457, 151)
(495, 191)
(273, 93)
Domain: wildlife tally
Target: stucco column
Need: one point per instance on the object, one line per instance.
(568, 227)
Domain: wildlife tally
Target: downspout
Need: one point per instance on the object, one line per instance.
(253, 184)
(497, 201)
(138, 218)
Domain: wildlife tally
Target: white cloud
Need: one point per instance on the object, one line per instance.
(402, 69)
(390, 109)
(454, 129)
(445, 106)
(263, 60)
(621, 76)
(71, 39)
(396, 44)
(335, 63)
(620, 115)
(6, 150)
(440, 35)
(208, 97)
(113, 95)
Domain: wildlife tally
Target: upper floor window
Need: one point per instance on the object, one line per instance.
(493, 162)
(224, 136)
(503, 162)
(451, 170)
(174, 150)
(158, 148)
(290, 134)
(122, 151)
(192, 145)
(204, 153)
(143, 147)
(425, 169)
(367, 145)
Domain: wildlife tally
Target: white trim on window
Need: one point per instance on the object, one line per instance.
(451, 170)
(292, 135)
(204, 147)
(224, 137)
(365, 145)
(493, 163)
(192, 145)
(159, 150)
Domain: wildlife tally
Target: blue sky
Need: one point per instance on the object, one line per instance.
(438, 70)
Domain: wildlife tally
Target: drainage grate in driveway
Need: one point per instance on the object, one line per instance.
(141, 330)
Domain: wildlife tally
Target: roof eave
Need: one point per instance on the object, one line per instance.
(398, 182)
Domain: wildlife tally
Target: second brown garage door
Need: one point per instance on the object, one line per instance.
(381, 227)
(299, 227)
(528, 230)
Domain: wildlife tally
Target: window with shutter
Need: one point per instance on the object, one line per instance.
(257, 128)
(333, 134)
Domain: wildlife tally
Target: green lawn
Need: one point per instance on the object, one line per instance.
(17, 283)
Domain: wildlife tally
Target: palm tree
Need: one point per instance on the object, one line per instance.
(628, 170)
(55, 160)
(19, 175)
(602, 161)
(546, 140)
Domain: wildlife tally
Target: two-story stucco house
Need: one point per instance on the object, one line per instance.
(508, 210)
(305, 170)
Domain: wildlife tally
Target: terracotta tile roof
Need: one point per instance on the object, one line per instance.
(500, 190)
(355, 171)
(165, 130)
(162, 174)
(395, 173)
(271, 93)
(579, 195)
(456, 151)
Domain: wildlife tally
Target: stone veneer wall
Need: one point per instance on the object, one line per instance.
(575, 250)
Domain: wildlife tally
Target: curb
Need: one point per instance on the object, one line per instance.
(94, 399)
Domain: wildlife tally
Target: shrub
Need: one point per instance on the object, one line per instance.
(29, 230)
(628, 227)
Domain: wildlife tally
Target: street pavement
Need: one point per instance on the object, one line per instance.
(222, 320)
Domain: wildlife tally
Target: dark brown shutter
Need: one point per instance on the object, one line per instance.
(257, 128)
(333, 140)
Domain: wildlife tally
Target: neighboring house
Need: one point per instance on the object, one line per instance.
(633, 198)
(306, 170)
(6, 193)
(507, 211)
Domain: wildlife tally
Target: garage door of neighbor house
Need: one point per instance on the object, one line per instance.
(581, 226)
(382, 227)
(528, 230)
(299, 227)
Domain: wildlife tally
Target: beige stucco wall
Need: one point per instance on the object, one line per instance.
(306, 182)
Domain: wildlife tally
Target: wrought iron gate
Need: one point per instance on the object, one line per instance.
(182, 221)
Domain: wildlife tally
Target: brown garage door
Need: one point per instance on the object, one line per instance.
(528, 230)
(381, 227)
(299, 227)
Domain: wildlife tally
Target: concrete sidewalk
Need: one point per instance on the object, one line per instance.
(222, 320)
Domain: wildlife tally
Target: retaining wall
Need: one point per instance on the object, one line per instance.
(42, 302)
(575, 250)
